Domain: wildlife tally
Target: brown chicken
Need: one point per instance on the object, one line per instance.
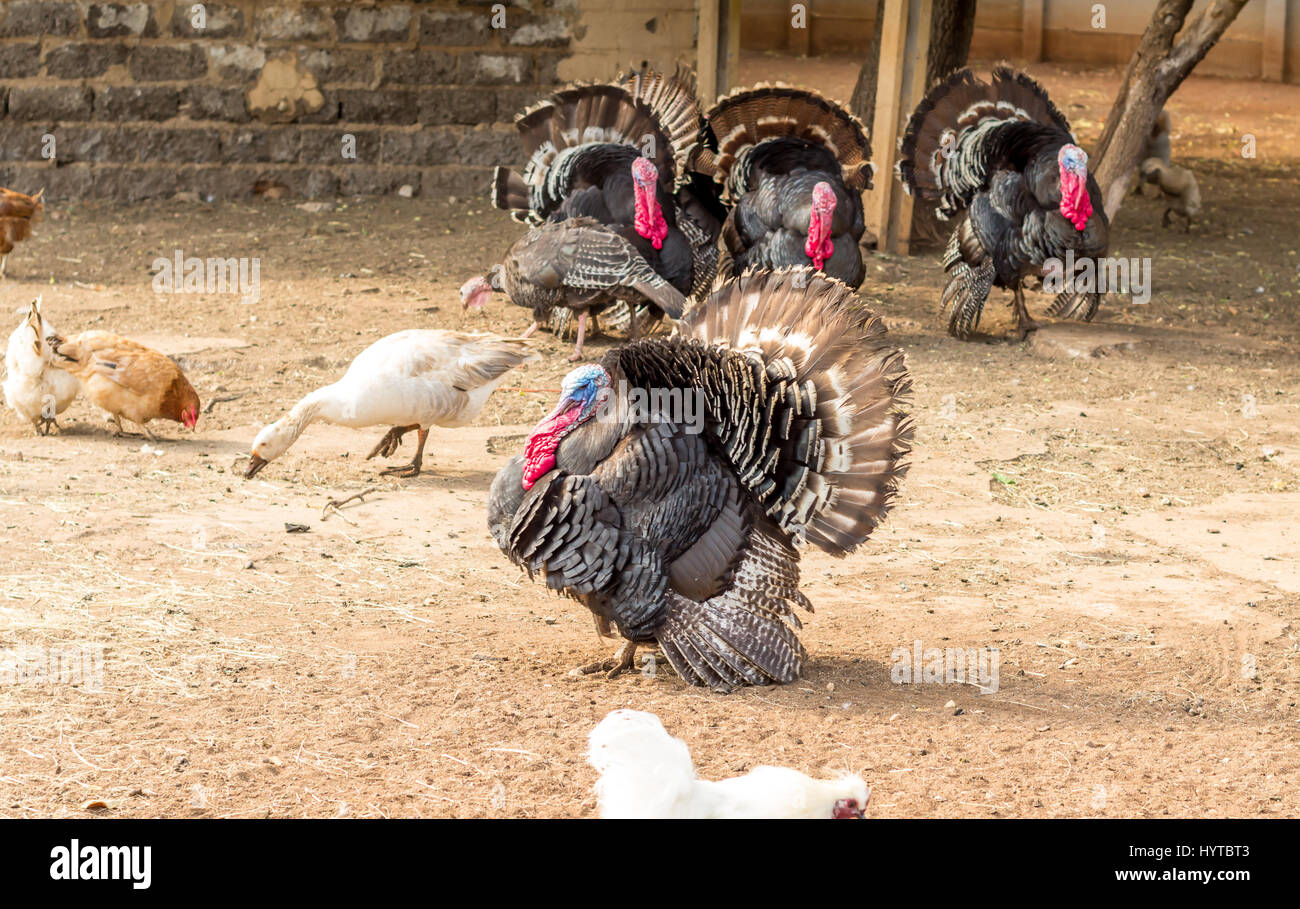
(129, 380)
(17, 215)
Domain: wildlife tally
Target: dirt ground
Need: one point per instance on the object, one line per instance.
(1120, 528)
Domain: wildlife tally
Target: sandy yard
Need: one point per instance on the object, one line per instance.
(1120, 528)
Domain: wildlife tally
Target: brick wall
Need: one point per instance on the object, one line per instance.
(128, 101)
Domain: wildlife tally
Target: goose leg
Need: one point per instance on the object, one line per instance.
(391, 440)
(582, 334)
(1024, 323)
(413, 469)
(622, 661)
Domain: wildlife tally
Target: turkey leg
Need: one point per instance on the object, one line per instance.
(413, 469)
(1024, 324)
(582, 334)
(531, 328)
(622, 661)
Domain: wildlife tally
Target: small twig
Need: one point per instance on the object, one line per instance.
(333, 505)
(207, 408)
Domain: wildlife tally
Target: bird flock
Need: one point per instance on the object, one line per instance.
(680, 529)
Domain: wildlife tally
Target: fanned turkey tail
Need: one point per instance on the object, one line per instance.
(829, 446)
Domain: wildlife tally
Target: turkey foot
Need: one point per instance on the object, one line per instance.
(389, 443)
(582, 334)
(529, 333)
(407, 471)
(1024, 323)
(622, 661)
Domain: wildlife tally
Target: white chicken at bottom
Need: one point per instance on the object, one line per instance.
(646, 773)
(34, 388)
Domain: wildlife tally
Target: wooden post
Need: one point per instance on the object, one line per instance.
(1031, 31)
(706, 50)
(900, 84)
(1273, 50)
(717, 48)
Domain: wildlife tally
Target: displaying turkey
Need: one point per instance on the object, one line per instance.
(577, 263)
(1001, 157)
(794, 165)
(667, 489)
(614, 153)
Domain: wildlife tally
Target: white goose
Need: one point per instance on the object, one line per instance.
(413, 379)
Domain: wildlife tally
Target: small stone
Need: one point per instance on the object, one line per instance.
(406, 191)
(950, 705)
(895, 716)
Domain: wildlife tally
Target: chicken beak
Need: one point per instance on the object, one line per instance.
(254, 465)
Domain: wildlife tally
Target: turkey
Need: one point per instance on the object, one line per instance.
(669, 486)
(794, 164)
(614, 153)
(1001, 157)
(577, 263)
(646, 773)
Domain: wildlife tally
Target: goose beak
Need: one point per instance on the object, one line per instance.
(254, 465)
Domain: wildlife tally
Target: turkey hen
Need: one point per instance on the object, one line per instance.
(1001, 157)
(578, 263)
(613, 153)
(667, 489)
(794, 165)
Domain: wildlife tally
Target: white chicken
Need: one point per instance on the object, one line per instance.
(410, 380)
(646, 773)
(34, 388)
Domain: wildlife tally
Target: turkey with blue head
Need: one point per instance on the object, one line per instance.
(669, 487)
(1000, 158)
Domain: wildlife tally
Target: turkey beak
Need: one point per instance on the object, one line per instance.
(254, 465)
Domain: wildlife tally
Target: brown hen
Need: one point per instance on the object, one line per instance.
(18, 213)
(127, 379)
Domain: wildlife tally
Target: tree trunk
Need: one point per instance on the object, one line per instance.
(863, 102)
(1157, 68)
(951, 27)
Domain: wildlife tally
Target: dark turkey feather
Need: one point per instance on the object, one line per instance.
(581, 264)
(774, 145)
(683, 533)
(581, 144)
(988, 154)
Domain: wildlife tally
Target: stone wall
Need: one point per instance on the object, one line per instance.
(128, 101)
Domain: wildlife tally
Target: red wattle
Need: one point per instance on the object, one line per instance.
(1076, 206)
(649, 222)
(539, 450)
(819, 247)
